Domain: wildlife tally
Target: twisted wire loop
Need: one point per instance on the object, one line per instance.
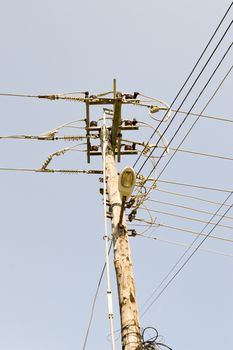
(151, 343)
(142, 194)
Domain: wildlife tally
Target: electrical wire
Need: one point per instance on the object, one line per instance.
(194, 123)
(215, 92)
(57, 154)
(200, 153)
(196, 64)
(151, 343)
(204, 116)
(167, 149)
(183, 255)
(18, 95)
(184, 245)
(185, 207)
(210, 155)
(189, 218)
(65, 171)
(94, 301)
(49, 97)
(157, 225)
(19, 169)
(191, 197)
(194, 186)
(177, 130)
(168, 114)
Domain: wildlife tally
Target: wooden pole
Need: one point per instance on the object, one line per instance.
(130, 326)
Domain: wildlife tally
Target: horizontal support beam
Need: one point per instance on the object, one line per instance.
(96, 128)
(123, 153)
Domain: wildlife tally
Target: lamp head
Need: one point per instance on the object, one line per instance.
(126, 182)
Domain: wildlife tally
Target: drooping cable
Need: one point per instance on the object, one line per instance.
(151, 343)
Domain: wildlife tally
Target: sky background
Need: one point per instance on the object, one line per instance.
(52, 251)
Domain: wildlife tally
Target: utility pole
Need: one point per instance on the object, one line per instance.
(111, 140)
(132, 336)
(130, 325)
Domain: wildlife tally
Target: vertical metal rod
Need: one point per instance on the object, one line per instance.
(114, 88)
(87, 130)
(106, 238)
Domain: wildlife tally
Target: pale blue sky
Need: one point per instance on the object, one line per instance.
(51, 250)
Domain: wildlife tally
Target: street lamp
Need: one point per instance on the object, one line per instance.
(126, 184)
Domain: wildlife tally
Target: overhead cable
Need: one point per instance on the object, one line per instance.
(94, 301)
(188, 258)
(227, 120)
(188, 79)
(157, 225)
(177, 130)
(186, 207)
(217, 189)
(191, 197)
(192, 126)
(65, 171)
(155, 238)
(188, 218)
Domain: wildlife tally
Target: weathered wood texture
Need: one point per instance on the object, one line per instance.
(130, 327)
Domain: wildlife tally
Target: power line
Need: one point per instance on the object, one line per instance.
(191, 197)
(193, 186)
(215, 92)
(189, 89)
(158, 225)
(18, 95)
(48, 97)
(94, 301)
(189, 76)
(203, 89)
(65, 171)
(188, 218)
(183, 255)
(201, 153)
(192, 126)
(186, 207)
(48, 137)
(167, 149)
(204, 116)
(184, 245)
